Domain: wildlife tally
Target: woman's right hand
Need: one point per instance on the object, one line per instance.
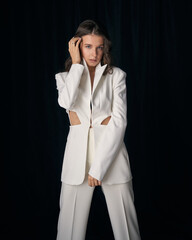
(74, 49)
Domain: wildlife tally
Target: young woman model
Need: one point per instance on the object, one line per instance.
(93, 92)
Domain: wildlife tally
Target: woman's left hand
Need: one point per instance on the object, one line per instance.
(93, 182)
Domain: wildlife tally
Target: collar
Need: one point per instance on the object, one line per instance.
(98, 73)
(98, 67)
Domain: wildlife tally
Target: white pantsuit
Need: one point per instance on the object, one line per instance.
(99, 151)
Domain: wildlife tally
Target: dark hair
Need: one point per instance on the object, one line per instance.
(91, 27)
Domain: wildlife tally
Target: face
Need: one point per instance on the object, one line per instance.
(92, 49)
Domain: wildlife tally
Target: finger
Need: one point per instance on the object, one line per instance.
(78, 42)
(75, 44)
(99, 183)
(90, 181)
(74, 40)
(72, 43)
(95, 181)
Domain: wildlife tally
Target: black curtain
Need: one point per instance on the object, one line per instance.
(152, 43)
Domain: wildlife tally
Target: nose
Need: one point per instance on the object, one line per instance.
(94, 52)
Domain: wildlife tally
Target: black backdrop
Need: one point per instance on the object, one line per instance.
(152, 43)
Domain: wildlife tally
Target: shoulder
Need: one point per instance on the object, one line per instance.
(60, 75)
(118, 76)
(118, 72)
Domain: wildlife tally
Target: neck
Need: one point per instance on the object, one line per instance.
(91, 69)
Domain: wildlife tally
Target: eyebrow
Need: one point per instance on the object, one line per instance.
(92, 45)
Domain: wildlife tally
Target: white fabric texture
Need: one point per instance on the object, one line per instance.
(75, 202)
(108, 98)
(90, 149)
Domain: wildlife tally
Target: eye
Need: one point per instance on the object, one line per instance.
(88, 46)
(100, 48)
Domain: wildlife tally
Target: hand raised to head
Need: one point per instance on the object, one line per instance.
(74, 49)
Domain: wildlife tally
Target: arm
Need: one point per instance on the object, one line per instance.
(114, 133)
(67, 85)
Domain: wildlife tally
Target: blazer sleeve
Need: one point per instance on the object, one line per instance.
(67, 85)
(113, 135)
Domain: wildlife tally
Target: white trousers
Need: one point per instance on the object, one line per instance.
(75, 203)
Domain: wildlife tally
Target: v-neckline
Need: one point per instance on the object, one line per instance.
(97, 75)
(91, 81)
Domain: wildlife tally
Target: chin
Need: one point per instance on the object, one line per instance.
(92, 64)
(95, 63)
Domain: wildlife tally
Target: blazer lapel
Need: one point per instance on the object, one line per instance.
(98, 74)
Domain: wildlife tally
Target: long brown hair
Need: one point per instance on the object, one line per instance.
(91, 27)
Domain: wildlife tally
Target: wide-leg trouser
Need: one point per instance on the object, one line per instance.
(75, 202)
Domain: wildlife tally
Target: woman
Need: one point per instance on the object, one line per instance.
(94, 96)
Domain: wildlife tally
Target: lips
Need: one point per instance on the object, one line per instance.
(93, 61)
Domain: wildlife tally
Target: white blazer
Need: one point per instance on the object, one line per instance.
(111, 161)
